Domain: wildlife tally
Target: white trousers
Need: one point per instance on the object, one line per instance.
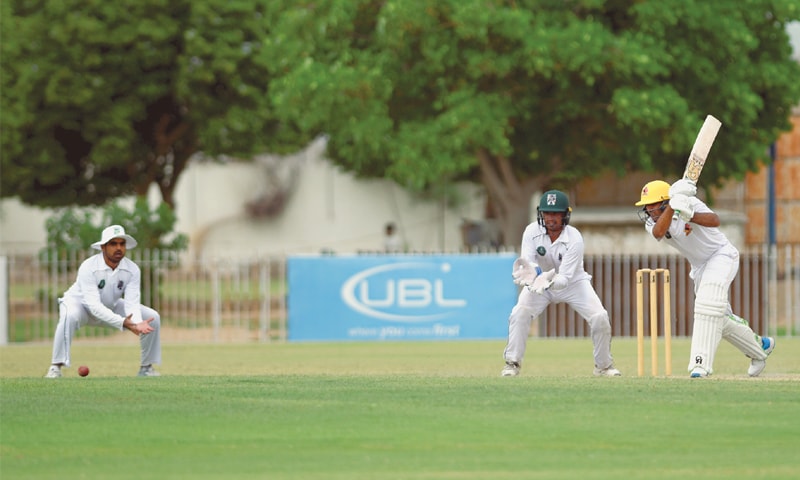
(582, 297)
(714, 319)
(72, 315)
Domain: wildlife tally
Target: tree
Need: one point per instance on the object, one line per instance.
(72, 230)
(535, 94)
(102, 99)
(516, 95)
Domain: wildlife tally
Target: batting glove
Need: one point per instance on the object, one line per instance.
(682, 206)
(683, 187)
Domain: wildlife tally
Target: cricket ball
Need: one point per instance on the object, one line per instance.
(83, 370)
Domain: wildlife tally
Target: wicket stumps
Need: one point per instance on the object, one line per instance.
(653, 301)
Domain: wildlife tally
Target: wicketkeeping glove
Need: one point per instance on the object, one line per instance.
(559, 282)
(543, 282)
(683, 187)
(525, 272)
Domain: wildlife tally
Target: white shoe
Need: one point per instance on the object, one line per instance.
(53, 372)
(607, 372)
(757, 366)
(511, 369)
(148, 371)
(698, 372)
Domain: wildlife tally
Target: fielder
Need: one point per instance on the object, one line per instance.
(550, 268)
(714, 260)
(107, 293)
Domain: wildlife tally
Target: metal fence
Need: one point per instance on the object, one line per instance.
(199, 301)
(766, 292)
(218, 300)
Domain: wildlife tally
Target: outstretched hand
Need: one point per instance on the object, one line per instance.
(142, 328)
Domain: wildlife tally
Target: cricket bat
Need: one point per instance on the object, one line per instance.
(699, 154)
(702, 145)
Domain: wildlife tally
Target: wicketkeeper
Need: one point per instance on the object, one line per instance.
(551, 270)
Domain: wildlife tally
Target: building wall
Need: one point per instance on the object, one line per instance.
(787, 192)
(328, 211)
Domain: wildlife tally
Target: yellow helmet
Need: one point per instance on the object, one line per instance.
(654, 192)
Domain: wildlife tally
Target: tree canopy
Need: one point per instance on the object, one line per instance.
(103, 99)
(537, 94)
(516, 95)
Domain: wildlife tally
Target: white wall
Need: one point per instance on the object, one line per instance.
(22, 228)
(329, 210)
(332, 211)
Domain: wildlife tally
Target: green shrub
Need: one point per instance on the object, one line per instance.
(73, 229)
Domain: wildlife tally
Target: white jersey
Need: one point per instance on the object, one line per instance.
(99, 288)
(696, 243)
(565, 255)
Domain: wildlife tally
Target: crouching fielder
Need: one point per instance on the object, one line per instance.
(694, 232)
(553, 251)
(107, 292)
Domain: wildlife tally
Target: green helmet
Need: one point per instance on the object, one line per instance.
(553, 201)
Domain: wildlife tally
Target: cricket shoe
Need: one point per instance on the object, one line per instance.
(757, 366)
(511, 369)
(53, 372)
(698, 372)
(607, 372)
(148, 371)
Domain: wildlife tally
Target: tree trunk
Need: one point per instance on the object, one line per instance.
(175, 143)
(509, 195)
(167, 185)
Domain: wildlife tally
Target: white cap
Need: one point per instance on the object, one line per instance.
(114, 231)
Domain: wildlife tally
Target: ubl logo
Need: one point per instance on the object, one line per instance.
(414, 291)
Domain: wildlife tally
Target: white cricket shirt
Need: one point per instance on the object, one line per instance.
(99, 288)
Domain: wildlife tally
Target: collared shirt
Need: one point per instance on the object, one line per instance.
(565, 254)
(99, 287)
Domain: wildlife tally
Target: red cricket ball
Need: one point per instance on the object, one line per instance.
(83, 370)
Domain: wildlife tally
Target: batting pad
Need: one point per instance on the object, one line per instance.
(736, 331)
(711, 300)
(705, 340)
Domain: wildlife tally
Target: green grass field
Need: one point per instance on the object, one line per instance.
(420, 410)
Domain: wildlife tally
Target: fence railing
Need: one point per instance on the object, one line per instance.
(220, 300)
(766, 292)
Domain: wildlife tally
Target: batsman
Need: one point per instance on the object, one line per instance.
(550, 270)
(674, 215)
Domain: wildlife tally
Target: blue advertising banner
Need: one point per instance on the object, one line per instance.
(400, 297)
